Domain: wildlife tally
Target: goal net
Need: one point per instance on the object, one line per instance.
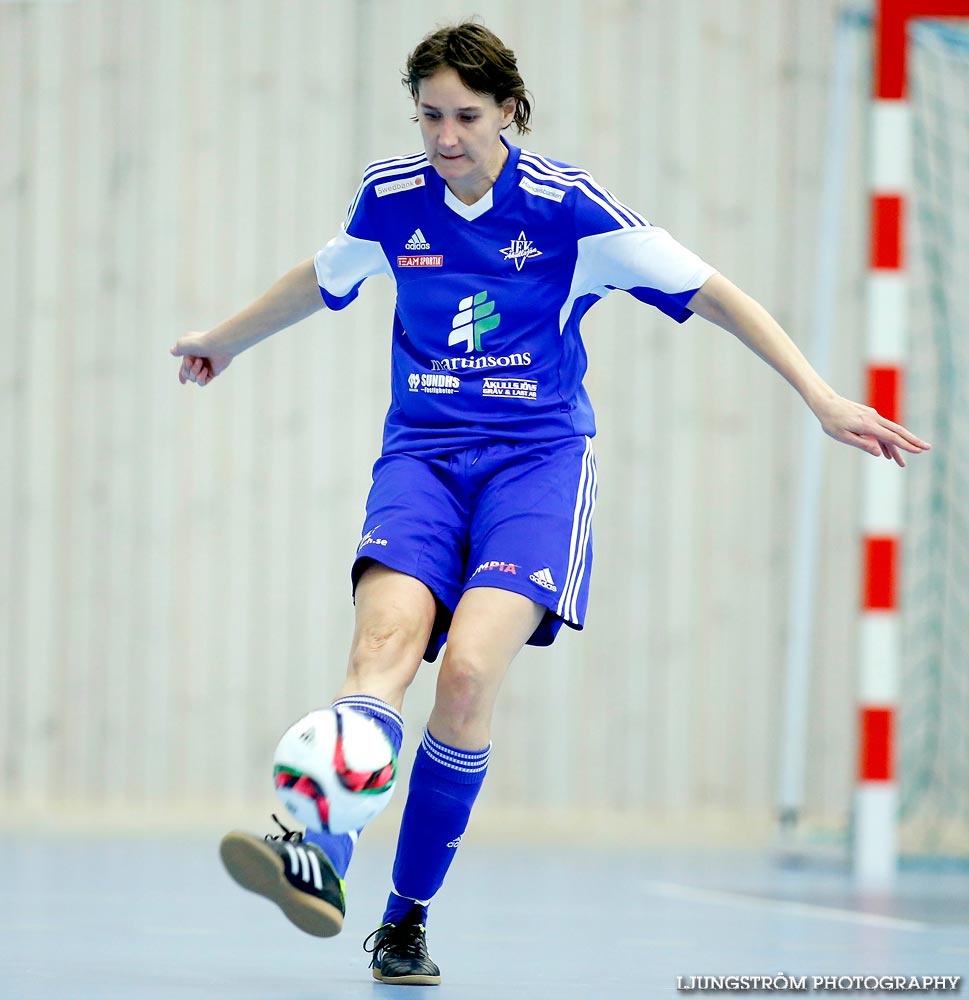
(934, 719)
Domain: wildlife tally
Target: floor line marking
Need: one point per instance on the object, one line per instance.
(810, 910)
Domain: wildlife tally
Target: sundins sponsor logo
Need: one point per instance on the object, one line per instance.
(436, 383)
(474, 320)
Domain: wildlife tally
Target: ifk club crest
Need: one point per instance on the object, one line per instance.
(521, 250)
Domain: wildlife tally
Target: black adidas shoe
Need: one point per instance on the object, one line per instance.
(296, 876)
(400, 952)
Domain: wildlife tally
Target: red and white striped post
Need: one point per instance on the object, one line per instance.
(876, 801)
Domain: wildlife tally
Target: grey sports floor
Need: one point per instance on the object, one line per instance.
(98, 918)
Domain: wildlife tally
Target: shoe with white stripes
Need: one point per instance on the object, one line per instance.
(296, 876)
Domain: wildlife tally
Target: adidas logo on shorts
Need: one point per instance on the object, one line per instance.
(544, 579)
(417, 242)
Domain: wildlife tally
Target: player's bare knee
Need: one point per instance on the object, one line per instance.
(464, 696)
(378, 644)
(373, 638)
(386, 647)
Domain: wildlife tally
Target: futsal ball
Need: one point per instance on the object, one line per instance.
(334, 770)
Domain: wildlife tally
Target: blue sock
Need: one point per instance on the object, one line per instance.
(443, 786)
(338, 847)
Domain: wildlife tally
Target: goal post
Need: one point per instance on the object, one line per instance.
(875, 823)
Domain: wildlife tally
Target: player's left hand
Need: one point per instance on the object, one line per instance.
(865, 428)
(199, 363)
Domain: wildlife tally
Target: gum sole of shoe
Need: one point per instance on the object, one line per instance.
(407, 980)
(259, 869)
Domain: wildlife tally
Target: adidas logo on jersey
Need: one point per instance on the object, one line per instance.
(417, 242)
(544, 579)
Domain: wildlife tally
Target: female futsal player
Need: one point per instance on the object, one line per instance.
(477, 527)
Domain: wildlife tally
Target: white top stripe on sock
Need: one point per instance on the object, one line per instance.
(464, 755)
(371, 704)
(466, 763)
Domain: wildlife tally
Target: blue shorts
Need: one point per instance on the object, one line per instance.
(513, 516)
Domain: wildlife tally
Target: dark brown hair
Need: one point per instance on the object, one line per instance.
(482, 61)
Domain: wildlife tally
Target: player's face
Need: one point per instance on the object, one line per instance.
(461, 132)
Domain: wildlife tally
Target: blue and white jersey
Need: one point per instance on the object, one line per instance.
(490, 296)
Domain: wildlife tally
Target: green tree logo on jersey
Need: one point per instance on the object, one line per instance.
(475, 316)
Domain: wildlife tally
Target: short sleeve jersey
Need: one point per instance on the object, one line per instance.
(490, 297)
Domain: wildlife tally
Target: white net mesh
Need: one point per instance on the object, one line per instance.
(934, 725)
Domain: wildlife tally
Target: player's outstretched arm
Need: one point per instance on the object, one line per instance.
(723, 303)
(294, 297)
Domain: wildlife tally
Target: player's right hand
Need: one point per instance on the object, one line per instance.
(199, 364)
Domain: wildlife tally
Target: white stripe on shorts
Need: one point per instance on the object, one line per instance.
(585, 502)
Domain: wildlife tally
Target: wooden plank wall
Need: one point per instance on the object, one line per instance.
(175, 570)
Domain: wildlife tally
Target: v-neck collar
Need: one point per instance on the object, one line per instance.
(494, 194)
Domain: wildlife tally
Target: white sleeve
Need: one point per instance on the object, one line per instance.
(344, 263)
(644, 261)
